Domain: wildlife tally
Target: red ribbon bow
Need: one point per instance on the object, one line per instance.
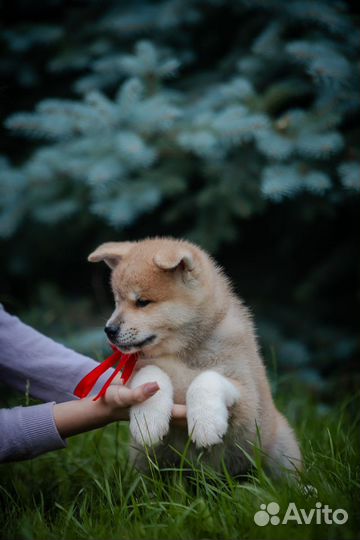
(126, 363)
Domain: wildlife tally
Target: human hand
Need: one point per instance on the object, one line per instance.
(81, 415)
(120, 398)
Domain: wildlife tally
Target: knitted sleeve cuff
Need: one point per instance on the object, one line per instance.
(29, 432)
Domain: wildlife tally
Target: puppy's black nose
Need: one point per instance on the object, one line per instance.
(111, 331)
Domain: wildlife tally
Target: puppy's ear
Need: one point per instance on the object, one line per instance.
(110, 252)
(170, 260)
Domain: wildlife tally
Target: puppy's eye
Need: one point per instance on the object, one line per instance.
(141, 302)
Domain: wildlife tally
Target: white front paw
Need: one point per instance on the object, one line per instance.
(207, 427)
(207, 401)
(150, 420)
(148, 425)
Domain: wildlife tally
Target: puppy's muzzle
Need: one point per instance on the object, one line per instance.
(111, 331)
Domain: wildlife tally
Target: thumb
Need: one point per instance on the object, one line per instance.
(143, 392)
(125, 397)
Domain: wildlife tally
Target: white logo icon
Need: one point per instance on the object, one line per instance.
(267, 514)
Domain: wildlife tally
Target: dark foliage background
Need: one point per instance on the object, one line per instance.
(249, 147)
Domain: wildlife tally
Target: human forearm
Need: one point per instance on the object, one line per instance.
(27, 432)
(78, 416)
(30, 361)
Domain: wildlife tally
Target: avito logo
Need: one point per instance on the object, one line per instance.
(268, 513)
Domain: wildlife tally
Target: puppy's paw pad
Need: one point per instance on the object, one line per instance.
(148, 426)
(207, 429)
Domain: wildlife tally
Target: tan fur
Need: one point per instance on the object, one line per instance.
(200, 325)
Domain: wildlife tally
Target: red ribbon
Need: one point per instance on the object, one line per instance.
(126, 364)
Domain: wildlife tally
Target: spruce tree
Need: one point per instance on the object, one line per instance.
(215, 107)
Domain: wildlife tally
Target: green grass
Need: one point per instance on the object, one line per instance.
(89, 491)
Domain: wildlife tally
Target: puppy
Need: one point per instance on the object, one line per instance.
(176, 308)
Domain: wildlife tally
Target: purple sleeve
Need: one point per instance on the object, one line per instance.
(27, 432)
(30, 361)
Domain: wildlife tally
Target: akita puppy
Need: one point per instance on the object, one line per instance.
(195, 337)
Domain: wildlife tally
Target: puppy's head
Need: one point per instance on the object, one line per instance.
(162, 290)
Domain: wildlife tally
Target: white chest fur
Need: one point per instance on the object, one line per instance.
(179, 373)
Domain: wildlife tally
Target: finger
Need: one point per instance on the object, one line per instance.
(118, 379)
(178, 417)
(127, 396)
(179, 411)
